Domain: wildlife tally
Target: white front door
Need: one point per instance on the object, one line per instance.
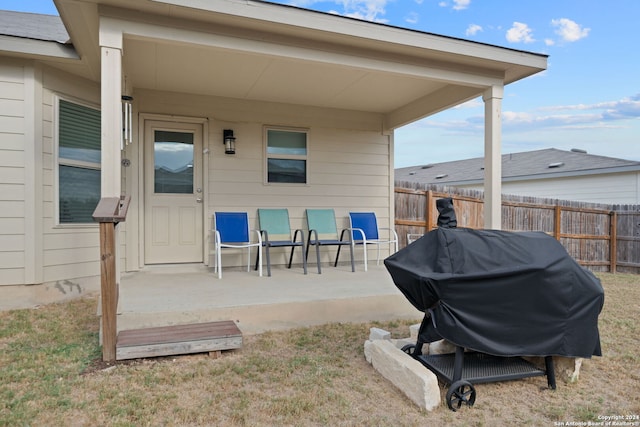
(173, 192)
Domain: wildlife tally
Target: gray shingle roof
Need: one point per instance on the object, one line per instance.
(525, 165)
(33, 26)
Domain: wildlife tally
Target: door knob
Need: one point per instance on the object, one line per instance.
(199, 200)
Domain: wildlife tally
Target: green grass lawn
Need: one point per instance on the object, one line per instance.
(50, 375)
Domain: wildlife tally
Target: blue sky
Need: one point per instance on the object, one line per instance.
(588, 98)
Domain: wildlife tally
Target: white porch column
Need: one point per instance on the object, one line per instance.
(111, 120)
(492, 157)
(111, 116)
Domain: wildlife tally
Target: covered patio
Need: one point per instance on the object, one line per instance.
(191, 293)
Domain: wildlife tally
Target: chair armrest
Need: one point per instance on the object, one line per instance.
(313, 232)
(259, 236)
(295, 235)
(265, 236)
(361, 231)
(342, 235)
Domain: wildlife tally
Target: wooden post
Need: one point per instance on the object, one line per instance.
(109, 212)
(557, 222)
(613, 242)
(108, 289)
(427, 211)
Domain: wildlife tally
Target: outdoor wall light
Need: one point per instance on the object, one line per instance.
(229, 142)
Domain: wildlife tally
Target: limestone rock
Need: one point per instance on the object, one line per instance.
(379, 334)
(418, 383)
(441, 347)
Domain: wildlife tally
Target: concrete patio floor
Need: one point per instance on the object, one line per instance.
(192, 293)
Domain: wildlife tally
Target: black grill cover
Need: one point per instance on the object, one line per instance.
(501, 293)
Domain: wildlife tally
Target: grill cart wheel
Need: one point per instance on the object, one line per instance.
(461, 392)
(410, 349)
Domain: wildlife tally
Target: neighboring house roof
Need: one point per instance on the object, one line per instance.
(33, 26)
(540, 164)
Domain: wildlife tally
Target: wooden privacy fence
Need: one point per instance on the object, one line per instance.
(599, 237)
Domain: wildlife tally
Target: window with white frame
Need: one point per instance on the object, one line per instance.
(78, 162)
(286, 155)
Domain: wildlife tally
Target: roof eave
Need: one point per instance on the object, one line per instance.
(522, 63)
(574, 173)
(50, 50)
(532, 177)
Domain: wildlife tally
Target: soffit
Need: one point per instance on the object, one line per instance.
(208, 71)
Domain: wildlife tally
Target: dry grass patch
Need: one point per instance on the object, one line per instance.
(49, 375)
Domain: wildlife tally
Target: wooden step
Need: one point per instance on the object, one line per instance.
(178, 339)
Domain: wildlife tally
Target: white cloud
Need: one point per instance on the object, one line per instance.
(568, 30)
(625, 108)
(578, 116)
(520, 32)
(473, 29)
(461, 4)
(549, 42)
(412, 18)
(601, 115)
(510, 117)
(366, 10)
(457, 4)
(474, 103)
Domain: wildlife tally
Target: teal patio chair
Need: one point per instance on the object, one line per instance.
(365, 231)
(231, 230)
(323, 231)
(276, 233)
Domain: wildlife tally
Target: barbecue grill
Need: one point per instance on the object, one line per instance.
(498, 297)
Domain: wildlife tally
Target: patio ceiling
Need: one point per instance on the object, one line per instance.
(222, 72)
(254, 50)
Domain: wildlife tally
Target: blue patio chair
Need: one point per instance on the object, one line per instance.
(323, 231)
(231, 230)
(365, 231)
(276, 233)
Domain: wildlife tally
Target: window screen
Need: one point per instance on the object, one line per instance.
(78, 162)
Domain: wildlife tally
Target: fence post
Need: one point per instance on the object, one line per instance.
(427, 211)
(557, 222)
(613, 242)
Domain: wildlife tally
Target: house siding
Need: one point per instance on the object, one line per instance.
(28, 254)
(348, 159)
(614, 188)
(12, 173)
(68, 252)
